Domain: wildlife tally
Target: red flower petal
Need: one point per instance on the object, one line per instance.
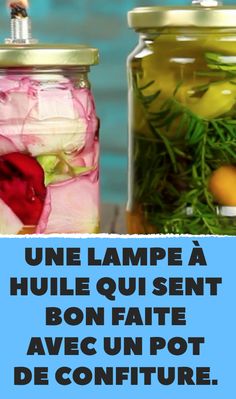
(22, 186)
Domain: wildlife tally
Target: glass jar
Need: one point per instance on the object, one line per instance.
(182, 122)
(49, 146)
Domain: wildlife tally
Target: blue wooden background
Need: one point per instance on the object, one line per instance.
(101, 23)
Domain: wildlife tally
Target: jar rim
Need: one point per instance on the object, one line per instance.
(42, 55)
(192, 16)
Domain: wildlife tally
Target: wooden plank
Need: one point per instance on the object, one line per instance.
(113, 219)
(107, 217)
(120, 226)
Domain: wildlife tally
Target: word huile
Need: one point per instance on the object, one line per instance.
(110, 288)
(115, 257)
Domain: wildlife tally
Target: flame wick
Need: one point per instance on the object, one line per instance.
(18, 12)
(19, 3)
(18, 9)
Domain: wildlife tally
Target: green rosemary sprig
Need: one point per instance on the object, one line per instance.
(173, 161)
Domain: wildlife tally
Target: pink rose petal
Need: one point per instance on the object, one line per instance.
(43, 117)
(71, 207)
(89, 158)
(7, 84)
(6, 146)
(84, 103)
(16, 107)
(55, 103)
(13, 133)
(85, 106)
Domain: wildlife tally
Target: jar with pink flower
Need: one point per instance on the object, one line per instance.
(49, 145)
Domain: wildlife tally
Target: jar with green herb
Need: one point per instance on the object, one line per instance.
(182, 122)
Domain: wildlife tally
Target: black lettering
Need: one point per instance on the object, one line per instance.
(213, 282)
(92, 261)
(41, 376)
(117, 315)
(53, 317)
(175, 286)
(35, 347)
(73, 316)
(131, 286)
(203, 376)
(156, 344)
(60, 376)
(37, 259)
(156, 254)
(85, 346)
(104, 376)
(185, 376)
(160, 288)
(196, 341)
(71, 346)
(179, 317)
(107, 287)
(53, 256)
(166, 379)
(135, 259)
(22, 286)
(22, 376)
(122, 374)
(196, 286)
(147, 372)
(177, 346)
(175, 257)
(39, 287)
(197, 256)
(73, 257)
(111, 258)
(82, 376)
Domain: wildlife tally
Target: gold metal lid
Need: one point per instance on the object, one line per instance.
(193, 16)
(42, 55)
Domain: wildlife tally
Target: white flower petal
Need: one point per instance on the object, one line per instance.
(53, 136)
(9, 222)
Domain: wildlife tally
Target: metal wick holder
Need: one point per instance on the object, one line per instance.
(20, 30)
